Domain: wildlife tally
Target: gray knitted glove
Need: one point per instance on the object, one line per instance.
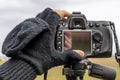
(33, 41)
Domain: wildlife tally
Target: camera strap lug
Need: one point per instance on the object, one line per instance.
(117, 54)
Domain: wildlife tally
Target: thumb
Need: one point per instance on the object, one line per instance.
(80, 52)
(68, 56)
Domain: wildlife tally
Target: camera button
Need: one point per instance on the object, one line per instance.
(104, 24)
(91, 25)
(97, 25)
(59, 35)
(59, 43)
(98, 45)
(59, 32)
(97, 50)
(59, 48)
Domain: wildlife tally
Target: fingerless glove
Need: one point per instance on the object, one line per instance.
(32, 41)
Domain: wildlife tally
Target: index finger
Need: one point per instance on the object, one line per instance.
(62, 13)
(66, 13)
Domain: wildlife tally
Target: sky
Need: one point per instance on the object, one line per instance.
(12, 12)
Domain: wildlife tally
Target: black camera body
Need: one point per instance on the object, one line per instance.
(94, 36)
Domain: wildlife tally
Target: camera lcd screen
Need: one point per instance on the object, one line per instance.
(77, 40)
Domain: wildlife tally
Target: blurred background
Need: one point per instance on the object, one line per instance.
(12, 12)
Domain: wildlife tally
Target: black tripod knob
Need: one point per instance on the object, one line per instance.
(75, 71)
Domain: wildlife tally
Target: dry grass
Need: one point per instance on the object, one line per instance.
(105, 61)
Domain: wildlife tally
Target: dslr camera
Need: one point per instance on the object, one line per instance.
(93, 37)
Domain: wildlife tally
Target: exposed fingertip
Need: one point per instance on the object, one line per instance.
(80, 52)
(66, 13)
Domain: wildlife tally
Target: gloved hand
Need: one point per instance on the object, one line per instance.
(33, 41)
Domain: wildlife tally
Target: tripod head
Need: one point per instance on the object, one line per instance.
(77, 70)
